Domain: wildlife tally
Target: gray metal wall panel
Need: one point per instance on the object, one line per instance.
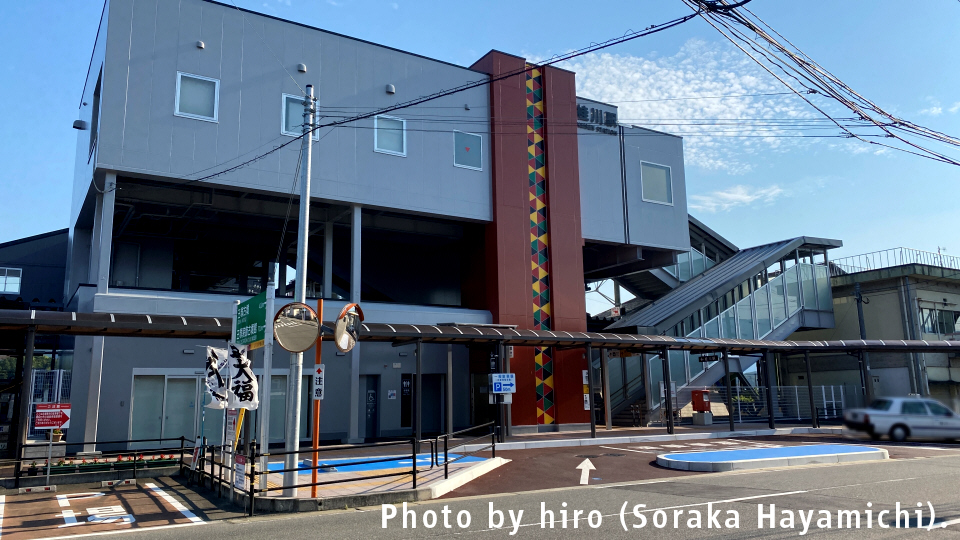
(601, 187)
(113, 95)
(142, 135)
(652, 224)
(83, 162)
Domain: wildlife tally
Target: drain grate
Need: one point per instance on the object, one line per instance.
(588, 456)
(614, 455)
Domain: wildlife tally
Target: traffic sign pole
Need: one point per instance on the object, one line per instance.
(316, 404)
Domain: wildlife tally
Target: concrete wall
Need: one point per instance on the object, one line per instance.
(149, 41)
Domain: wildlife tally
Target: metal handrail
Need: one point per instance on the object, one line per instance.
(888, 258)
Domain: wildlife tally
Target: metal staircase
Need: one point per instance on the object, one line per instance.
(739, 298)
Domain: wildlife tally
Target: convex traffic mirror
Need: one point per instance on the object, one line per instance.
(347, 329)
(296, 327)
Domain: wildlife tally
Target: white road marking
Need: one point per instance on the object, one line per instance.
(951, 522)
(630, 450)
(3, 499)
(700, 444)
(124, 531)
(176, 504)
(674, 446)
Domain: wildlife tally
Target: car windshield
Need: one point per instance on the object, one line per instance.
(938, 409)
(881, 405)
(914, 407)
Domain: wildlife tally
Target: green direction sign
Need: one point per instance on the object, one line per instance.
(252, 321)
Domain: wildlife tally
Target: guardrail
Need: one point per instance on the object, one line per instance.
(214, 469)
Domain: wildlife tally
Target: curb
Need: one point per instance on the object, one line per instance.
(527, 445)
(461, 478)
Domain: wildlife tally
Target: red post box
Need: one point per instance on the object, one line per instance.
(701, 400)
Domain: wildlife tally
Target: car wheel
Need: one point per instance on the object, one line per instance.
(899, 433)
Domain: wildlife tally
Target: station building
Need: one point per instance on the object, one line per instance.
(495, 205)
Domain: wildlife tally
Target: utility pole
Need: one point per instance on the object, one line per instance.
(294, 379)
(864, 355)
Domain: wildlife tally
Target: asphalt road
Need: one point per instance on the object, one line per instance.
(927, 474)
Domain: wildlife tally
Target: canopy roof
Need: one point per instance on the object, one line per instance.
(134, 325)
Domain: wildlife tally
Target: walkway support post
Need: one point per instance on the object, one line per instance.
(23, 427)
(768, 373)
(605, 375)
(593, 416)
(418, 389)
(815, 419)
(668, 396)
(449, 391)
(726, 377)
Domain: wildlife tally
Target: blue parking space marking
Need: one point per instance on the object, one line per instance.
(342, 464)
(771, 453)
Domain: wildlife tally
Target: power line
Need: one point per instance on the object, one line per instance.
(628, 36)
(813, 78)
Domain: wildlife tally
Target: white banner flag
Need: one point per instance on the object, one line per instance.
(217, 378)
(243, 383)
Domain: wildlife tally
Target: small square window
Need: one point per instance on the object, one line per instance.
(10, 280)
(656, 183)
(293, 117)
(197, 97)
(467, 150)
(389, 135)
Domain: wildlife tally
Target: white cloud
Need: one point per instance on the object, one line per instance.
(335, 4)
(955, 107)
(934, 109)
(732, 197)
(395, 5)
(704, 69)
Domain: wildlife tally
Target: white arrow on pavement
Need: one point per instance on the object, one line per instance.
(585, 469)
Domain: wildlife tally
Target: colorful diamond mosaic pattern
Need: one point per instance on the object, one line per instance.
(539, 243)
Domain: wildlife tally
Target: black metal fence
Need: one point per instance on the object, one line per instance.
(119, 460)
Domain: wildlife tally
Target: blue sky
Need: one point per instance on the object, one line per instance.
(756, 190)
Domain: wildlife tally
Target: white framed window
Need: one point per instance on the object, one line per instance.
(390, 135)
(292, 121)
(656, 184)
(10, 280)
(467, 150)
(197, 97)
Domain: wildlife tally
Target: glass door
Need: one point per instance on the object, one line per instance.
(180, 408)
(147, 415)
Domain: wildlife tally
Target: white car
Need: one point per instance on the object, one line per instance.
(905, 417)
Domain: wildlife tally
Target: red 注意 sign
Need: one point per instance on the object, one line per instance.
(52, 416)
